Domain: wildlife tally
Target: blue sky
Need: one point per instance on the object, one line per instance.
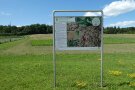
(26, 12)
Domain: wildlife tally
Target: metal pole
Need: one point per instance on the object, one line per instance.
(54, 53)
(102, 52)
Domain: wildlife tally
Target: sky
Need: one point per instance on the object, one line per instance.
(25, 12)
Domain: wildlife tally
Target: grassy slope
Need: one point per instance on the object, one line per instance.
(30, 67)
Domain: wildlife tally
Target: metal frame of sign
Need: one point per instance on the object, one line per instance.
(101, 48)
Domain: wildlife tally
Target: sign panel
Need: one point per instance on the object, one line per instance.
(78, 33)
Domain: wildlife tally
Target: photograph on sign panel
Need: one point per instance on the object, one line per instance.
(84, 32)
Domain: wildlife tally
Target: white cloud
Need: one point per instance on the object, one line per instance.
(18, 25)
(92, 14)
(124, 24)
(119, 7)
(116, 8)
(5, 14)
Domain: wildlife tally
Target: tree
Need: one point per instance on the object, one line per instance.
(25, 30)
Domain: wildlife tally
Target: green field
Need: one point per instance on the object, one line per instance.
(27, 65)
(41, 42)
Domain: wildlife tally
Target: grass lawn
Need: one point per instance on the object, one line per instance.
(24, 66)
(41, 42)
(119, 40)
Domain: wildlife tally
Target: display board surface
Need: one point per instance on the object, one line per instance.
(78, 33)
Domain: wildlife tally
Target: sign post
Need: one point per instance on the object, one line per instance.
(78, 33)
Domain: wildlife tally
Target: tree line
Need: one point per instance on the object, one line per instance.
(47, 29)
(25, 30)
(118, 30)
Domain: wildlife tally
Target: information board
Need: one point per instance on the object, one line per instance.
(78, 32)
